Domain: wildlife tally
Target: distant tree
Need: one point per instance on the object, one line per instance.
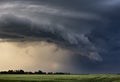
(10, 72)
(50, 73)
(23, 72)
(3, 72)
(19, 72)
(40, 72)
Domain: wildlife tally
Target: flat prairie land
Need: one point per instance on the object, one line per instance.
(60, 78)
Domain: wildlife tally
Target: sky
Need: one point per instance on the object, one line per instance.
(77, 36)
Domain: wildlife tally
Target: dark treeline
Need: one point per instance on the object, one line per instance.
(37, 72)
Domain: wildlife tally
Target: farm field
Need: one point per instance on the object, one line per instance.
(60, 78)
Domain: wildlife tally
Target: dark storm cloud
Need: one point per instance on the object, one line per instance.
(86, 28)
(107, 41)
(18, 28)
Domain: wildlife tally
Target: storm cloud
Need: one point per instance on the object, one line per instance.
(89, 30)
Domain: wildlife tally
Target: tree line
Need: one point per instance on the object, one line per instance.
(36, 72)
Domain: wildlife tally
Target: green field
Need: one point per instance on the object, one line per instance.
(60, 78)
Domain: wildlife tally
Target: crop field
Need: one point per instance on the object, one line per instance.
(60, 78)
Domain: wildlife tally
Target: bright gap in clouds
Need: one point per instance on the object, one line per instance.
(32, 56)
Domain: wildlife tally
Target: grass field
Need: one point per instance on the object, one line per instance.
(60, 78)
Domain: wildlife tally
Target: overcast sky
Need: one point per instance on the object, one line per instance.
(78, 36)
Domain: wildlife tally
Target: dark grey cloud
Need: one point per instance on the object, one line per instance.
(15, 28)
(89, 29)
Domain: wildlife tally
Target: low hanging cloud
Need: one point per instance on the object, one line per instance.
(15, 28)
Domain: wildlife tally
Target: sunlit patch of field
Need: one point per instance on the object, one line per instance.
(60, 78)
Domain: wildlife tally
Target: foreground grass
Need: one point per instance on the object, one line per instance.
(60, 78)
